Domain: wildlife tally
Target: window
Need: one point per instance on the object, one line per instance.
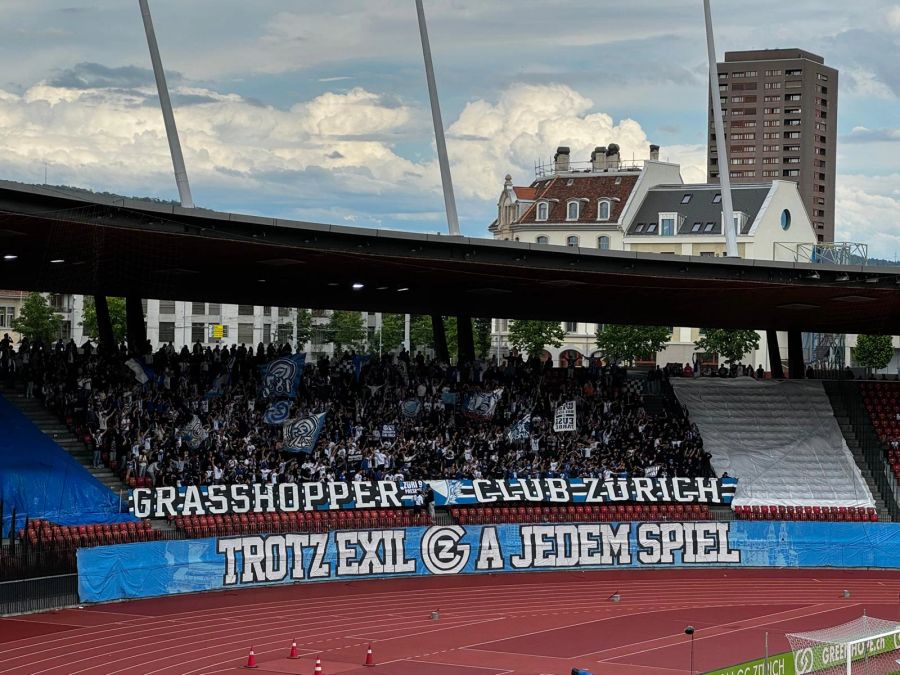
(245, 333)
(198, 308)
(792, 134)
(285, 333)
(771, 111)
(267, 310)
(773, 73)
(215, 309)
(772, 98)
(773, 85)
(603, 243)
(785, 220)
(792, 123)
(696, 227)
(167, 307)
(771, 173)
(709, 227)
(65, 330)
(792, 97)
(822, 76)
(542, 240)
(790, 173)
(793, 84)
(718, 198)
(572, 241)
(706, 254)
(651, 228)
(573, 208)
(793, 148)
(772, 123)
(7, 314)
(245, 310)
(603, 209)
(167, 331)
(640, 227)
(771, 148)
(686, 198)
(793, 111)
(198, 331)
(771, 160)
(543, 210)
(267, 333)
(571, 326)
(791, 160)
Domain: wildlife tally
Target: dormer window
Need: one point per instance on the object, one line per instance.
(651, 228)
(709, 227)
(718, 198)
(603, 209)
(696, 227)
(573, 210)
(543, 210)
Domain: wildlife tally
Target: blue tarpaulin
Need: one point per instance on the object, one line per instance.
(41, 480)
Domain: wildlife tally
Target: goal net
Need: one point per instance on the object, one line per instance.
(866, 645)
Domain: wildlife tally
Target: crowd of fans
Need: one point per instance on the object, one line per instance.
(137, 426)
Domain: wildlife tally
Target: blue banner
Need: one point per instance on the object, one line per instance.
(281, 377)
(301, 435)
(277, 413)
(123, 571)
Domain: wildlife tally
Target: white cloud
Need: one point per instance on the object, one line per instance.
(893, 17)
(868, 211)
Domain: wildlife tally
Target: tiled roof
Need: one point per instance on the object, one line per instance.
(526, 193)
(700, 208)
(562, 188)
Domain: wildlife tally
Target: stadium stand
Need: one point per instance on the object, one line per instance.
(782, 440)
(882, 402)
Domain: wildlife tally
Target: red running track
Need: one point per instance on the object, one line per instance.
(512, 623)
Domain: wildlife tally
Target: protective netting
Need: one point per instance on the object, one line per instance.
(873, 647)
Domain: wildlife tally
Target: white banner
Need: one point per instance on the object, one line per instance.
(565, 419)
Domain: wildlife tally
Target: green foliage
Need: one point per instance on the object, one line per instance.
(874, 351)
(620, 343)
(390, 337)
(37, 321)
(533, 336)
(730, 345)
(345, 330)
(482, 337)
(117, 317)
(421, 333)
(304, 328)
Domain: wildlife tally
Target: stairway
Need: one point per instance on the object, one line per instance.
(56, 429)
(842, 415)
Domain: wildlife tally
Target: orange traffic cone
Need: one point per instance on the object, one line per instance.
(293, 654)
(370, 657)
(318, 669)
(251, 660)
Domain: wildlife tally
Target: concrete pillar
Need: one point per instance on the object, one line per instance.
(104, 324)
(441, 350)
(134, 317)
(465, 339)
(796, 367)
(774, 355)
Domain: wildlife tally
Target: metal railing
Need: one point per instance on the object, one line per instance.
(871, 446)
(38, 594)
(542, 170)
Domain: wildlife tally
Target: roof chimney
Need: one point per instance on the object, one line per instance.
(598, 158)
(654, 152)
(612, 156)
(561, 159)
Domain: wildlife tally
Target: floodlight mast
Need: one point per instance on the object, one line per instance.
(181, 177)
(728, 228)
(446, 180)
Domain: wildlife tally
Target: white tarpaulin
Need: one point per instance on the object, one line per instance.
(778, 438)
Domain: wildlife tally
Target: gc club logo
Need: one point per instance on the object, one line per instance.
(442, 551)
(803, 662)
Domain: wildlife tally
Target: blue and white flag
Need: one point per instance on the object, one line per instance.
(358, 362)
(410, 408)
(301, 435)
(142, 373)
(521, 430)
(193, 434)
(281, 377)
(388, 431)
(219, 384)
(482, 405)
(277, 413)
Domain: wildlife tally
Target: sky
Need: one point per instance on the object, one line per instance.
(319, 111)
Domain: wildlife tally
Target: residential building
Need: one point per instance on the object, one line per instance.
(780, 114)
(10, 307)
(645, 207)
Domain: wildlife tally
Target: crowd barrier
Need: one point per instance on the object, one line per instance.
(159, 568)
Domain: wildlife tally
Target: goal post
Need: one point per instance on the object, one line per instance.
(864, 646)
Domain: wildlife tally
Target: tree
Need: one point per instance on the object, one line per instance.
(391, 335)
(421, 335)
(534, 336)
(37, 321)
(730, 345)
(117, 317)
(874, 352)
(629, 343)
(304, 328)
(482, 337)
(345, 330)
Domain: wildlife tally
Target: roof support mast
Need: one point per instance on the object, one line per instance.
(181, 178)
(446, 180)
(731, 248)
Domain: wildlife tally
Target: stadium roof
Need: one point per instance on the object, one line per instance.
(120, 247)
